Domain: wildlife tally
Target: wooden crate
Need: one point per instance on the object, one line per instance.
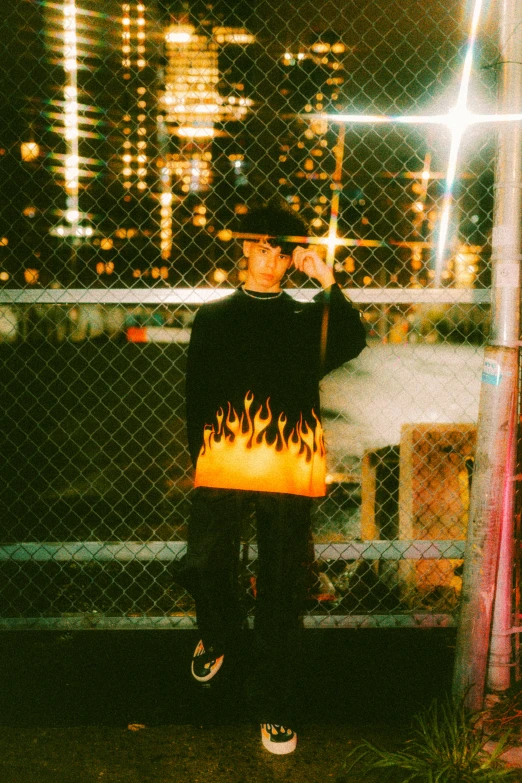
(435, 468)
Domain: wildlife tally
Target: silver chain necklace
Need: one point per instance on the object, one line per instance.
(268, 298)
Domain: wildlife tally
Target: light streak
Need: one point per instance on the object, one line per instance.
(457, 120)
(334, 208)
(306, 240)
(71, 115)
(165, 195)
(71, 120)
(191, 132)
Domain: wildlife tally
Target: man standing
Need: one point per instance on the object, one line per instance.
(254, 365)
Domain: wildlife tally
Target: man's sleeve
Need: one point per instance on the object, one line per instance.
(197, 361)
(342, 332)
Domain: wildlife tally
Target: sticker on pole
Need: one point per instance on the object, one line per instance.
(491, 373)
(507, 275)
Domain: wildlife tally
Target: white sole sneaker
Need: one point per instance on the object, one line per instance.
(278, 739)
(210, 668)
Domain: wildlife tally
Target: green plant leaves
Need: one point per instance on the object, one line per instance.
(446, 746)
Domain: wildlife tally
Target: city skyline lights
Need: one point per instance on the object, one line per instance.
(72, 123)
(71, 117)
(134, 156)
(153, 131)
(457, 120)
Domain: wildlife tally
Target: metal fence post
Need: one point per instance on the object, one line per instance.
(500, 652)
(491, 512)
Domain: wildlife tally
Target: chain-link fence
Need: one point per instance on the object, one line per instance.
(134, 136)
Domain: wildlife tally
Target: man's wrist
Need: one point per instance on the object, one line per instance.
(327, 280)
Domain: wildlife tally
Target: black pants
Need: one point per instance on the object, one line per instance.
(283, 538)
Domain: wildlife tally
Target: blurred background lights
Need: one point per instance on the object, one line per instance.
(31, 276)
(29, 151)
(220, 276)
(458, 119)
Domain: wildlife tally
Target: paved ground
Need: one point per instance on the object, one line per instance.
(68, 701)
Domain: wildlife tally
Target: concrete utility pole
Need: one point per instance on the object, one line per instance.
(491, 507)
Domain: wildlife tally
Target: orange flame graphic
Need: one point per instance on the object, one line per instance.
(238, 455)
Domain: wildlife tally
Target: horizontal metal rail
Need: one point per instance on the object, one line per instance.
(98, 622)
(197, 296)
(84, 551)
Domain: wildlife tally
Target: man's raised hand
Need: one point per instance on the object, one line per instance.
(310, 262)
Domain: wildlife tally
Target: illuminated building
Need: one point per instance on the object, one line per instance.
(23, 175)
(111, 150)
(393, 200)
(137, 222)
(137, 126)
(73, 118)
(55, 160)
(195, 113)
(99, 108)
(312, 78)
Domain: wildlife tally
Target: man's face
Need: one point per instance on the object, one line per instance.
(266, 266)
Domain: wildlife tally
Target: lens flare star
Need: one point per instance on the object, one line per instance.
(457, 120)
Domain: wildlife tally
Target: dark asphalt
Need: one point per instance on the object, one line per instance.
(113, 678)
(120, 707)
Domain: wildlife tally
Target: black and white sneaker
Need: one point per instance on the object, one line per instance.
(278, 739)
(205, 663)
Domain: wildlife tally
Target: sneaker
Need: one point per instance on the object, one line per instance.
(278, 739)
(205, 663)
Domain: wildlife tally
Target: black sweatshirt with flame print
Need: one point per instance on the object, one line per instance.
(252, 388)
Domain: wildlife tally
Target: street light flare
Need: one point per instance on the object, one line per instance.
(457, 119)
